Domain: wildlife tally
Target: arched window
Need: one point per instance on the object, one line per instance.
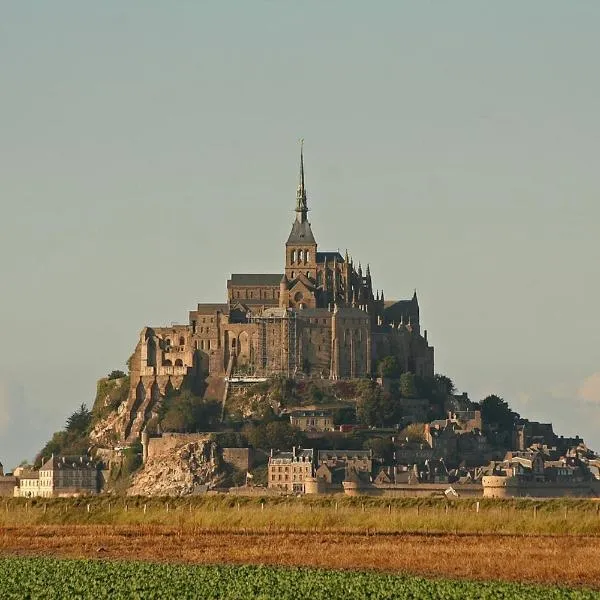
(308, 273)
(168, 363)
(293, 275)
(179, 363)
(300, 256)
(293, 257)
(167, 342)
(182, 341)
(307, 257)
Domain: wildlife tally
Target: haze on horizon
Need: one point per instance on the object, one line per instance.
(149, 150)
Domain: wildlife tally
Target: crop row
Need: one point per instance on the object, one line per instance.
(43, 578)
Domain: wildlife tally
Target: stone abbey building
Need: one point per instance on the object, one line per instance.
(320, 316)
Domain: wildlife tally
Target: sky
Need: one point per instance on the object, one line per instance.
(150, 149)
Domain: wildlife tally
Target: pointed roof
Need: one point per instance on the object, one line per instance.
(301, 232)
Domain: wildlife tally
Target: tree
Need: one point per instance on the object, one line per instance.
(383, 449)
(79, 421)
(408, 388)
(415, 432)
(116, 374)
(368, 405)
(495, 411)
(389, 368)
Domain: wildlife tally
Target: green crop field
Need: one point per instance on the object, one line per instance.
(82, 579)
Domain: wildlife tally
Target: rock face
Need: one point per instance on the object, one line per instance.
(178, 473)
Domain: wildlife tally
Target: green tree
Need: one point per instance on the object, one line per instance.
(383, 449)
(408, 388)
(496, 414)
(79, 421)
(389, 368)
(415, 432)
(116, 374)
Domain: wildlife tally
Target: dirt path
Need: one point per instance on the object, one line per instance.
(561, 560)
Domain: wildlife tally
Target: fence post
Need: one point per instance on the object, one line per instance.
(88, 508)
(477, 507)
(535, 512)
(167, 507)
(389, 508)
(126, 508)
(109, 507)
(336, 506)
(144, 509)
(262, 505)
(238, 506)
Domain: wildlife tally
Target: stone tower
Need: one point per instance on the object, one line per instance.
(301, 246)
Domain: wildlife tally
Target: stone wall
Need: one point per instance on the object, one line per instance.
(239, 458)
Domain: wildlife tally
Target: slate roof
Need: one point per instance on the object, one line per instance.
(301, 233)
(399, 309)
(267, 279)
(311, 413)
(321, 256)
(68, 462)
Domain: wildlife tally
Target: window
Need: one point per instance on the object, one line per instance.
(307, 256)
(182, 341)
(293, 257)
(300, 256)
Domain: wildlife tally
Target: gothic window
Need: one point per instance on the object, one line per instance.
(300, 256)
(298, 296)
(196, 345)
(307, 256)
(179, 363)
(293, 275)
(293, 257)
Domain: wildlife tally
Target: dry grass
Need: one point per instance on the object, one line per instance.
(299, 515)
(565, 560)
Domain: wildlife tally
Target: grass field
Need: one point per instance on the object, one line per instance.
(48, 578)
(333, 514)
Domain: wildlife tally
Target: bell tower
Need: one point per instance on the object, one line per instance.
(301, 246)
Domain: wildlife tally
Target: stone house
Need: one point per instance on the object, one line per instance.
(312, 420)
(63, 476)
(287, 471)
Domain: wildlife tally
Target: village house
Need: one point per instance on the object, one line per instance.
(60, 476)
(287, 471)
(312, 420)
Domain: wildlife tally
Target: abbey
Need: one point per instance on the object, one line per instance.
(319, 317)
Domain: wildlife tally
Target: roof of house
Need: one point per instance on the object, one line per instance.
(343, 454)
(68, 462)
(310, 413)
(265, 279)
(299, 455)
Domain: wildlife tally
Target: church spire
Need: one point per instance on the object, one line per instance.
(301, 205)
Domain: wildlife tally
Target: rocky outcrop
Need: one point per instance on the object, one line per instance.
(182, 471)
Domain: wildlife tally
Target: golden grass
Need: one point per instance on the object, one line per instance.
(335, 515)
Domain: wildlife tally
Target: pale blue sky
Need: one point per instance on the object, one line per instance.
(148, 150)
